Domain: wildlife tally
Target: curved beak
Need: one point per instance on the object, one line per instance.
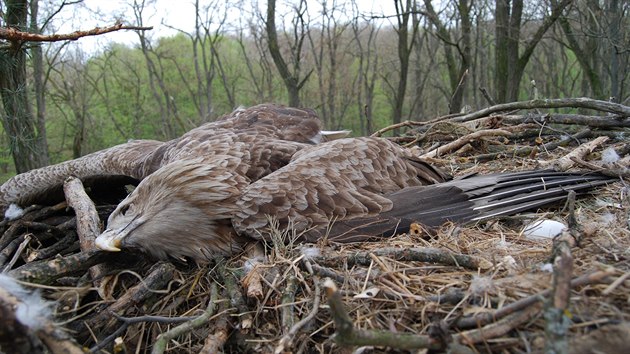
(109, 241)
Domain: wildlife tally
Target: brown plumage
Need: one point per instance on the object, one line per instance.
(196, 208)
(219, 185)
(270, 134)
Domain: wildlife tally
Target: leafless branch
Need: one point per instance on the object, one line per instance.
(14, 35)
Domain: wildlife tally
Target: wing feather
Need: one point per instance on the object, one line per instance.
(339, 180)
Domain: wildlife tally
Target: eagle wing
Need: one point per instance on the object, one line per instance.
(340, 180)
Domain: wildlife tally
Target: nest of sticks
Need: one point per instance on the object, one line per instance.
(479, 288)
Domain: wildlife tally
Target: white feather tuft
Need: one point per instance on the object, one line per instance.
(480, 285)
(13, 212)
(609, 155)
(546, 267)
(32, 311)
(607, 218)
(543, 229)
(311, 252)
(251, 263)
(9, 284)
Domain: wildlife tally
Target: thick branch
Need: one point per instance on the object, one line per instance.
(454, 145)
(12, 34)
(566, 162)
(570, 119)
(88, 222)
(417, 254)
(582, 102)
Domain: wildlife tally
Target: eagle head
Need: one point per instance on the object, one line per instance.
(181, 210)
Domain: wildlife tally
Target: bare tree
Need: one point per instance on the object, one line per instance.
(597, 34)
(26, 139)
(106, 80)
(406, 17)
(365, 36)
(292, 77)
(38, 79)
(251, 38)
(510, 58)
(26, 136)
(423, 65)
(171, 121)
(327, 47)
(70, 89)
(457, 72)
(585, 47)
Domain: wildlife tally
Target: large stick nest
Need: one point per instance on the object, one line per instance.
(480, 288)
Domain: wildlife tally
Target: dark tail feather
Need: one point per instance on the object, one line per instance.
(468, 200)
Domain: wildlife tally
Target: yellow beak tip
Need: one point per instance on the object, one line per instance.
(108, 244)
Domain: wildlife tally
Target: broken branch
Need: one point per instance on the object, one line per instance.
(12, 34)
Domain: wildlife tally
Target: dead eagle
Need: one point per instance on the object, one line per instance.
(217, 186)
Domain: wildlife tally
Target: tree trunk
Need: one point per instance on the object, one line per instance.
(290, 81)
(19, 123)
(614, 34)
(40, 86)
(457, 73)
(510, 61)
(583, 58)
(403, 15)
(503, 49)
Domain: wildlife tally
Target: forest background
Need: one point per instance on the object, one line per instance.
(360, 69)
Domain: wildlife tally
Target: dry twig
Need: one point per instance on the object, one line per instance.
(566, 162)
(12, 34)
(453, 146)
(163, 339)
(418, 254)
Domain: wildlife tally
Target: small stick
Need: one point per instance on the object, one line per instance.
(88, 222)
(7, 251)
(215, 341)
(27, 239)
(566, 162)
(159, 276)
(418, 254)
(452, 146)
(47, 271)
(236, 297)
(582, 102)
(612, 172)
(162, 340)
(407, 123)
(288, 299)
(524, 151)
(128, 321)
(88, 228)
(497, 329)
(286, 340)
(487, 96)
(57, 247)
(556, 321)
(346, 334)
(487, 317)
(252, 279)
